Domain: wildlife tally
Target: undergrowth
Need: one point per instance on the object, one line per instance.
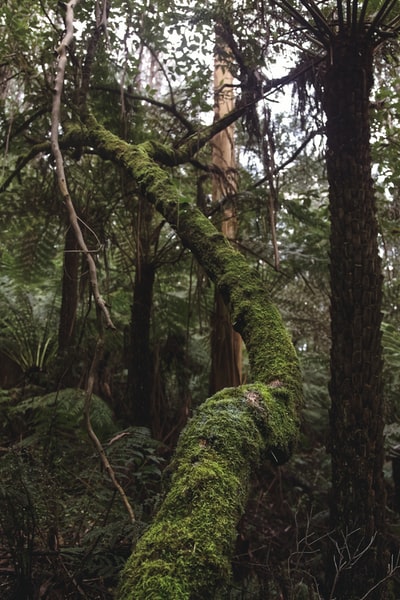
(64, 532)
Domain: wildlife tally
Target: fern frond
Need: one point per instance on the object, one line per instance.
(25, 323)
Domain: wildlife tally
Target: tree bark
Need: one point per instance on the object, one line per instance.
(356, 416)
(226, 343)
(69, 295)
(140, 367)
(140, 372)
(226, 349)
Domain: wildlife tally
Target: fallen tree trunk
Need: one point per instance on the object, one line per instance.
(186, 552)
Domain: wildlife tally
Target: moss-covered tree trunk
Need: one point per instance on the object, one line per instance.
(356, 416)
(186, 552)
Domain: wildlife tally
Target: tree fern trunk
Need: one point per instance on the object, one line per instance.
(356, 417)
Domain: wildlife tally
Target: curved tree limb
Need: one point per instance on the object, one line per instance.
(42, 147)
(225, 266)
(186, 552)
(61, 177)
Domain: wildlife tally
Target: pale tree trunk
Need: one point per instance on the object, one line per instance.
(226, 344)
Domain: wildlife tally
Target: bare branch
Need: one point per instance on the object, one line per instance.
(299, 149)
(96, 442)
(37, 113)
(169, 108)
(62, 181)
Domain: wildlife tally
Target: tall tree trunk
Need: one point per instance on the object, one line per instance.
(226, 343)
(69, 294)
(356, 416)
(140, 369)
(140, 373)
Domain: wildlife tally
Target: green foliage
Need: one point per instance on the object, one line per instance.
(20, 515)
(57, 503)
(27, 327)
(60, 414)
(150, 81)
(315, 424)
(391, 373)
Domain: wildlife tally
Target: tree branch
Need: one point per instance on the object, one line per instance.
(169, 108)
(62, 181)
(92, 435)
(22, 161)
(31, 119)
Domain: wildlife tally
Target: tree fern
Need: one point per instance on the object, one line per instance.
(60, 416)
(27, 325)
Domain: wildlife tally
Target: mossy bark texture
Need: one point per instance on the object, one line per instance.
(186, 552)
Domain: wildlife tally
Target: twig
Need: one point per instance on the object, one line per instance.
(392, 568)
(347, 558)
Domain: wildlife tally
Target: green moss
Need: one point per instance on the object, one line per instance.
(188, 548)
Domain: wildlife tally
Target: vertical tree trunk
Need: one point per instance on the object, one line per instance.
(356, 416)
(69, 294)
(226, 344)
(140, 370)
